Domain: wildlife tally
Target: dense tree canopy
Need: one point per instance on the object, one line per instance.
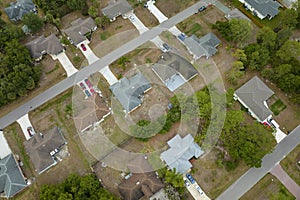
(249, 143)
(17, 73)
(33, 22)
(76, 188)
(76, 4)
(236, 30)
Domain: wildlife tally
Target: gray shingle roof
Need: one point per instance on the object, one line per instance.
(18, 9)
(39, 147)
(180, 152)
(79, 28)
(204, 46)
(253, 94)
(92, 110)
(11, 177)
(237, 14)
(265, 7)
(169, 65)
(129, 92)
(42, 45)
(116, 8)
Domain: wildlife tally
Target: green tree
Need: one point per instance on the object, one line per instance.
(290, 49)
(257, 56)
(33, 21)
(236, 30)
(76, 187)
(76, 4)
(267, 38)
(236, 72)
(93, 11)
(249, 143)
(175, 179)
(288, 19)
(240, 55)
(240, 29)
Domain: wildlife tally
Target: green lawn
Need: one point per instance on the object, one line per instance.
(289, 164)
(277, 107)
(268, 188)
(104, 35)
(195, 29)
(273, 23)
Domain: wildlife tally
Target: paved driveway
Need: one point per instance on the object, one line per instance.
(221, 7)
(88, 53)
(156, 12)
(137, 23)
(192, 189)
(95, 67)
(24, 122)
(286, 180)
(5, 150)
(142, 28)
(66, 63)
(108, 75)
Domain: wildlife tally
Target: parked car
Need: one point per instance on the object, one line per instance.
(30, 131)
(201, 9)
(166, 46)
(182, 36)
(92, 91)
(199, 190)
(88, 94)
(83, 47)
(186, 183)
(88, 82)
(82, 85)
(191, 179)
(55, 151)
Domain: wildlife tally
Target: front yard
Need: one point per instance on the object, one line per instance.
(268, 187)
(291, 164)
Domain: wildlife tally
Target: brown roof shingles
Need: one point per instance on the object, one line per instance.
(94, 110)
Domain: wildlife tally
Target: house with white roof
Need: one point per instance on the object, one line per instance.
(181, 151)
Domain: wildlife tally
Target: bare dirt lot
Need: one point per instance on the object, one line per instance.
(213, 178)
(171, 7)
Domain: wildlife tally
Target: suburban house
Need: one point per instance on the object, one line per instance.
(5, 149)
(42, 149)
(130, 92)
(289, 3)
(253, 96)
(143, 181)
(79, 29)
(116, 8)
(204, 46)
(17, 10)
(12, 179)
(173, 70)
(237, 14)
(262, 8)
(91, 112)
(41, 46)
(181, 151)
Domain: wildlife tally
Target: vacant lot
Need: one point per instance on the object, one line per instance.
(291, 164)
(268, 188)
(171, 7)
(212, 175)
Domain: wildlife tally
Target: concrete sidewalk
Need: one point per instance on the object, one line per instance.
(286, 180)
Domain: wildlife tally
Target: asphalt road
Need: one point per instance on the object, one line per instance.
(253, 175)
(96, 66)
